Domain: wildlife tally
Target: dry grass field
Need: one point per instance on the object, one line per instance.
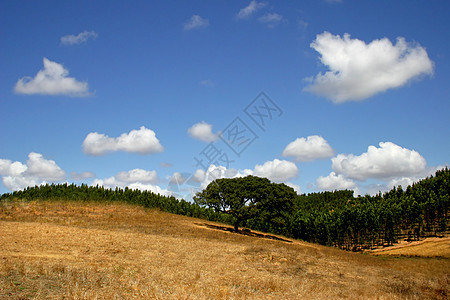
(73, 250)
(430, 247)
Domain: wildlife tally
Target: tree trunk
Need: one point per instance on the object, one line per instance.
(236, 225)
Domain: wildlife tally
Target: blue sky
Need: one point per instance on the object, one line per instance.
(153, 94)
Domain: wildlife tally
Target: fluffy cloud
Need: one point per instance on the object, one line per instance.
(359, 70)
(178, 178)
(387, 161)
(38, 170)
(277, 170)
(52, 80)
(42, 168)
(335, 182)
(202, 131)
(309, 149)
(271, 19)
(8, 168)
(196, 22)
(141, 141)
(82, 37)
(138, 175)
(250, 9)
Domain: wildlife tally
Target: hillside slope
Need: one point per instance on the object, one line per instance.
(86, 250)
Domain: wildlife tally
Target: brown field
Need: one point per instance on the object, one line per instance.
(73, 250)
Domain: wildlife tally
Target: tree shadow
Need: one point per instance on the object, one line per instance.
(244, 231)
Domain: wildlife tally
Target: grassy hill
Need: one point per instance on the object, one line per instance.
(75, 250)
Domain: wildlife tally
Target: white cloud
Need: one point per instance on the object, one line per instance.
(309, 149)
(137, 175)
(43, 168)
(250, 9)
(199, 175)
(335, 182)
(81, 176)
(52, 80)
(387, 161)
(8, 168)
(277, 170)
(178, 178)
(358, 70)
(38, 170)
(202, 131)
(82, 37)
(141, 141)
(15, 183)
(196, 22)
(271, 19)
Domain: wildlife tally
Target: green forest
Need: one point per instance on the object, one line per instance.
(329, 218)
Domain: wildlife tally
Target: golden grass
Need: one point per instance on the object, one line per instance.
(72, 250)
(430, 247)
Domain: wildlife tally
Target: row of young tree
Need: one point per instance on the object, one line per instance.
(370, 221)
(329, 218)
(148, 199)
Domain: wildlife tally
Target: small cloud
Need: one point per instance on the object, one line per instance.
(335, 182)
(78, 39)
(202, 131)
(309, 149)
(52, 80)
(137, 175)
(271, 19)
(196, 22)
(142, 141)
(250, 9)
(277, 170)
(358, 70)
(166, 165)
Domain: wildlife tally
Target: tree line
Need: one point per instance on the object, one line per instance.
(334, 218)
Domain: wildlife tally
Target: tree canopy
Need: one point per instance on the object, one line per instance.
(248, 197)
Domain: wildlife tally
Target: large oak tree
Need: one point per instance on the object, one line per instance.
(247, 197)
